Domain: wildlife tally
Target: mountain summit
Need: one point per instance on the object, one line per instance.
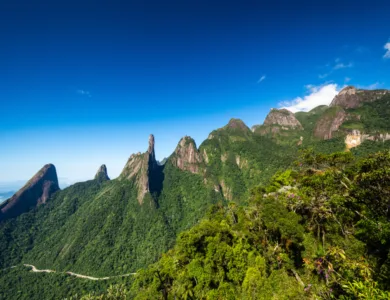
(101, 174)
(36, 191)
(351, 97)
(282, 117)
(141, 167)
(186, 155)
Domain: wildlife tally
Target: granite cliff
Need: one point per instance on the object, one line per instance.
(36, 191)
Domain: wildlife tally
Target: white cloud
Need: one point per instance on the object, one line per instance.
(262, 78)
(347, 79)
(84, 93)
(387, 48)
(319, 95)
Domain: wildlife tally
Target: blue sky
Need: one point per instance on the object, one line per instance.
(84, 83)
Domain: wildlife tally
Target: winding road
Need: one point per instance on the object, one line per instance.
(34, 269)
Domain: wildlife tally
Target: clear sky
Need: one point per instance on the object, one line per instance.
(84, 83)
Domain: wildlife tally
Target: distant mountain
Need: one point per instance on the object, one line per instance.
(36, 191)
(107, 227)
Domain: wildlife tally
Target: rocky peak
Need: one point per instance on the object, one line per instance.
(36, 191)
(141, 167)
(186, 156)
(237, 124)
(101, 174)
(282, 117)
(350, 97)
(151, 145)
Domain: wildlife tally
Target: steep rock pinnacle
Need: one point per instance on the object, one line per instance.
(141, 167)
(36, 191)
(101, 174)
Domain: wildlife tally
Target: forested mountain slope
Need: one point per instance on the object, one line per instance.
(106, 227)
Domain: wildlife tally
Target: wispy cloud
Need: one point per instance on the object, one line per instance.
(318, 95)
(387, 48)
(262, 78)
(322, 76)
(337, 66)
(362, 49)
(347, 79)
(84, 93)
(342, 66)
(373, 86)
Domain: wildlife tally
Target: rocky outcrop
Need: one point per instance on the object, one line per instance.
(226, 190)
(329, 123)
(354, 138)
(36, 191)
(284, 118)
(101, 174)
(141, 168)
(278, 121)
(186, 156)
(350, 97)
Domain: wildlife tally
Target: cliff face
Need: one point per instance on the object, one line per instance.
(278, 121)
(329, 123)
(282, 117)
(101, 174)
(186, 156)
(141, 167)
(350, 97)
(36, 191)
(354, 138)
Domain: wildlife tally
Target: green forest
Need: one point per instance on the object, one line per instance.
(318, 231)
(275, 215)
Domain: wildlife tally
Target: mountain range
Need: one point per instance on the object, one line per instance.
(107, 227)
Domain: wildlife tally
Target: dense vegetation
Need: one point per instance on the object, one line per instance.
(20, 283)
(318, 231)
(252, 224)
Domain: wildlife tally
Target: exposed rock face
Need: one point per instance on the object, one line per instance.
(282, 117)
(329, 122)
(101, 174)
(205, 156)
(350, 97)
(278, 121)
(355, 138)
(36, 191)
(141, 167)
(186, 156)
(226, 191)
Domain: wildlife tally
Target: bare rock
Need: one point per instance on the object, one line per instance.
(140, 167)
(186, 156)
(350, 97)
(36, 191)
(329, 122)
(101, 174)
(284, 118)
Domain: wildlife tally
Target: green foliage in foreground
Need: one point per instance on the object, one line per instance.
(326, 236)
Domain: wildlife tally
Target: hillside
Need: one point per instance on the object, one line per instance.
(105, 227)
